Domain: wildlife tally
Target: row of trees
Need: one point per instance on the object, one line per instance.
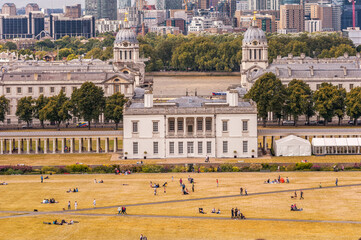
(298, 99)
(88, 103)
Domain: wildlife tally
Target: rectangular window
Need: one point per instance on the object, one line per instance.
(224, 125)
(225, 147)
(30, 90)
(135, 147)
(155, 127)
(155, 147)
(8, 121)
(209, 147)
(245, 126)
(18, 90)
(7, 90)
(74, 88)
(340, 86)
(351, 86)
(180, 147)
(63, 89)
(199, 125)
(180, 126)
(52, 89)
(41, 89)
(200, 147)
(190, 147)
(318, 86)
(245, 146)
(208, 125)
(135, 127)
(171, 125)
(171, 147)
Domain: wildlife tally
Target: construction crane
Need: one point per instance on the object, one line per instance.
(353, 13)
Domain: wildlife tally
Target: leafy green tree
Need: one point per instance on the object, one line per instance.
(10, 46)
(269, 94)
(40, 103)
(24, 110)
(88, 102)
(65, 52)
(298, 97)
(96, 53)
(56, 110)
(340, 104)
(71, 57)
(326, 98)
(4, 107)
(353, 103)
(114, 108)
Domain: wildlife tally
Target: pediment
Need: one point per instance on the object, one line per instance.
(118, 79)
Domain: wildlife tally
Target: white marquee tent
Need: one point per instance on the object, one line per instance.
(292, 146)
(321, 146)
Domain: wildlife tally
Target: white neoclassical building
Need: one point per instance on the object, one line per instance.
(20, 78)
(190, 127)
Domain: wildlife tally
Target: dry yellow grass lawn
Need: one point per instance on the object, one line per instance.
(24, 193)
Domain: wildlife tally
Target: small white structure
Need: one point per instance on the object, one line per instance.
(322, 146)
(292, 146)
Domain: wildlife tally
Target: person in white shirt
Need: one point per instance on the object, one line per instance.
(94, 203)
(76, 205)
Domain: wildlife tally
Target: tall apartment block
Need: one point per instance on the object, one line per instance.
(8, 9)
(61, 26)
(292, 18)
(72, 11)
(21, 26)
(101, 9)
(31, 7)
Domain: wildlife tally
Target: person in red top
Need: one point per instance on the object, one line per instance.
(180, 181)
(217, 182)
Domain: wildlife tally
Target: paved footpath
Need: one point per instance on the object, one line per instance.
(79, 211)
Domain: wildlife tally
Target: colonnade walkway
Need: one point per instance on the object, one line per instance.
(46, 142)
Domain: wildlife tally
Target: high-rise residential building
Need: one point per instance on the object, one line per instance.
(21, 26)
(232, 7)
(177, 22)
(313, 25)
(203, 4)
(292, 18)
(336, 17)
(8, 9)
(257, 4)
(31, 7)
(323, 13)
(61, 26)
(124, 4)
(101, 9)
(72, 11)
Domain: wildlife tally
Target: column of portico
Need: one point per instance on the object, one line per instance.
(115, 144)
(45, 146)
(19, 146)
(28, 146)
(98, 144)
(1, 146)
(89, 145)
(31, 144)
(80, 145)
(5, 146)
(184, 126)
(195, 127)
(62, 145)
(11, 146)
(72, 145)
(36, 146)
(176, 126)
(106, 145)
(54, 143)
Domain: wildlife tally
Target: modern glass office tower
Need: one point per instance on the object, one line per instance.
(101, 9)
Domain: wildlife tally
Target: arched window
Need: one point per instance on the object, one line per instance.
(250, 54)
(260, 54)
(125, 55)
(130, 55)
(255, 53)
(121, 53)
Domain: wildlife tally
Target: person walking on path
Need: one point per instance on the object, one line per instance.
(94, 203)
(180, 181)
(119, 209)
(217, 181)
(301, 195)
(320, 185)
(336, 182)
(232, 212)
(76, 205)
(245, 192)
(155, 191)
(42, 179)
(192, 186)
(241, 191)
(69, 205)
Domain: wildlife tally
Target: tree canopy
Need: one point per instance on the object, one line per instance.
(114, 108)
(24, 110)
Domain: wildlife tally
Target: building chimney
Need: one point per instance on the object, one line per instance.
(277, 71)
(344, 70)
(289, 71)
(148, 99)
(232, 98)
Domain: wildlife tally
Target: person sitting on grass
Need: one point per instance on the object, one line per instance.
(242, 216)
(201, 211)
(68, 190)
(3, 183)
(101, 181)
(219, 211)
(46, 200)
(213, 210)
(63, 222)
(76, 190)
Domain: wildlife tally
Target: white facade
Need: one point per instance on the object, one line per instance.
(106, 25)
(354, 35)
(313, 26)
(190, 127)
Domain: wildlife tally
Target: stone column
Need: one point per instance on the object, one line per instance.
(184, 126)
(28, 146)
(36, 146)
(98, 145)
(115, 144)
(45, 146)
(1, 146)
(54, 143)
(80, 145)
(106, 145)
(19, 146)
(5, 146)
(195, 126)
(11, 146)
(175, 126)
(72, 145)
(62, 145)
(264, 143)
(89, 145)
(31, 144)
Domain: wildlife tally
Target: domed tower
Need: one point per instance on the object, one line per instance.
(254, 52)
(126, 47)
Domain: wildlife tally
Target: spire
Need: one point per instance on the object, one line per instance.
(254, 19)
(126, 20)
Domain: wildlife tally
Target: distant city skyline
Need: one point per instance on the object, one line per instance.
(44, 3)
